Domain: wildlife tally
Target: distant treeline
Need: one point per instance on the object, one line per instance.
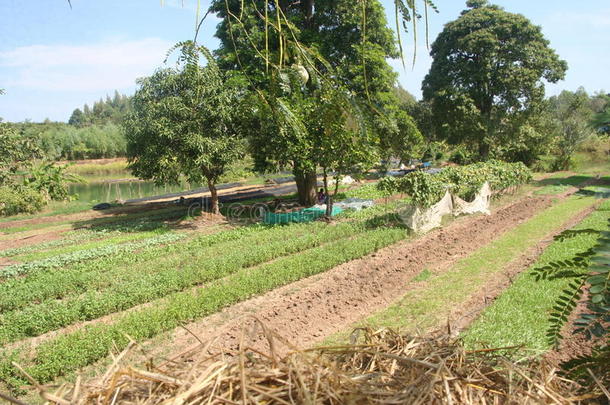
(59, 141)
(103, 111)
(91, 133)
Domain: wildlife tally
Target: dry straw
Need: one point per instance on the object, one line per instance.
(378, 367)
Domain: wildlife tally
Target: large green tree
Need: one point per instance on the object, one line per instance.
(182, 123)
(487, 75)
(304, 60)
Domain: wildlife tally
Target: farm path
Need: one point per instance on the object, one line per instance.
(307, 311)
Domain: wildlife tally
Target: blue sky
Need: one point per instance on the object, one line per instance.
(54, 59)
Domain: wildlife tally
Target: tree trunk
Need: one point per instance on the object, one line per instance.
(306, 187)
(329, 203)
(307, 7)
(336, 185)
(489, 130)
(215, 208)
(483, 150)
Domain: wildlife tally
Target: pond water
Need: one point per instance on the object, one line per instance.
(124, 190)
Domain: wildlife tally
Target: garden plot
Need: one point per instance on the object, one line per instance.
(91, 302)
(55, 320)
(317, 307)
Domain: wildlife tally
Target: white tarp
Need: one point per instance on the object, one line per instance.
(354, 204)
(424, 220)
(347, 180)
(480, 204)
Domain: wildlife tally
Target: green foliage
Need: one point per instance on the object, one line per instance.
(105, 271)
(18, 194)
(99, 169)
(425, 307)
(72, 143)
(404, 139)
(572, 113)
(183, 122)
(520, 315)
(111, 110)
(68, 352)
(15, 270)
(261, 247)
(59, 141)
(461, 156)
(15, 152)
(421, 112)
(323, 88)
(596, 363)
(426, 189)
(70, 238)
(51, 179)
(588, 270)
(20, 199)
(596, 148)
(367, 191)
(601, 120)
(465, 181)
(527, 138)
(434, 151)
(486, 77)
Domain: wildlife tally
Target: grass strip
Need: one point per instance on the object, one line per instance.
(53, 314)
(54, 208)
(72, 351)
(425, 306)
(520, 315)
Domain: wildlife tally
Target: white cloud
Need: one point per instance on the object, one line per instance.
(99, 67)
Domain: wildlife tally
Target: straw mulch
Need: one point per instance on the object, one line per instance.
(379, 367)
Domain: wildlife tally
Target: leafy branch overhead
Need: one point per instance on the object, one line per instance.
(321, 90)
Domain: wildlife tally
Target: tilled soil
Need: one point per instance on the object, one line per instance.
(307, 311)
(574, 345)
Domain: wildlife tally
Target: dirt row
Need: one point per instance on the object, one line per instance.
(307, 311)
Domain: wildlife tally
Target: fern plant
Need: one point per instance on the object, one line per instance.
(588, 270)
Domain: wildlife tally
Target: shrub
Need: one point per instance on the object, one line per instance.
(51, 179)
(460, 156)
(20, 199)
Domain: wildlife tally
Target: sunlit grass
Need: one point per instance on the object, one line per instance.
(520, 315)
